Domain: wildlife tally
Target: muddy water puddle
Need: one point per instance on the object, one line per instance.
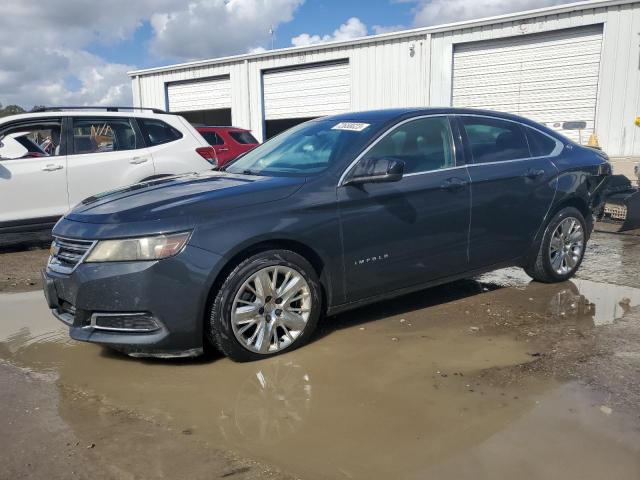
(439, 384)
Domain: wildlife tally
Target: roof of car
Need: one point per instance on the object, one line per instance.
(83, 113)
(394, 113)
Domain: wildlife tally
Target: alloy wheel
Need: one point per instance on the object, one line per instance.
(566, 246)
(271, 309)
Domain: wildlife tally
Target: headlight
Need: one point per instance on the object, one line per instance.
(134, 249)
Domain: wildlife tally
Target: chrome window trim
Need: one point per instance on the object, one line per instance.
(554, 153)
(69, 271)
(433, 171)
(391, 129)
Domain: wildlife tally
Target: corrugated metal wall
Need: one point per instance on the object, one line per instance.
(418, 71)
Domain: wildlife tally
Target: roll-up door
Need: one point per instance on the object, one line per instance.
(549, 77)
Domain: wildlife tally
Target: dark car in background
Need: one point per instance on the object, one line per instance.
(228, 142)
(332, 214)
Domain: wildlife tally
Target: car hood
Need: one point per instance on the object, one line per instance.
(186, 197)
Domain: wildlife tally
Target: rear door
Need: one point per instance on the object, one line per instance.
(224, 150)
(408, 232)
(105, 153)
(33, 172)
(242, 140)
(512, 188)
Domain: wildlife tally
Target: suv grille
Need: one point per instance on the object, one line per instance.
(66, 253)
(615, 211)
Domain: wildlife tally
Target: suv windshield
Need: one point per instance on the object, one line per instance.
(306, 149)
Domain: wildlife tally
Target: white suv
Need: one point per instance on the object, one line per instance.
(53, 158)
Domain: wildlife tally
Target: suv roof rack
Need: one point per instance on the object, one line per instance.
(108, 109)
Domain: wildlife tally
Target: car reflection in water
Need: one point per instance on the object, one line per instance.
(271, 404)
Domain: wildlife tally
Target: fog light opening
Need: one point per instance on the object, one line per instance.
(124, 322)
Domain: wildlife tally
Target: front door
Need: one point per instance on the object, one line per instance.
(33, 172)
(512, 187)
(107, 153)
(408, 232)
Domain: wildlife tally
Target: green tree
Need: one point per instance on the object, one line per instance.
(11, 110)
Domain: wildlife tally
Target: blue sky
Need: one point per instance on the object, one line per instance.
(84, 50)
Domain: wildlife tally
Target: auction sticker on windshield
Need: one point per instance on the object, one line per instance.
(350, 126)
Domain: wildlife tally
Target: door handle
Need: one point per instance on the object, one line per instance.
(533, 173)
(454, 184)
(138, 160)
(222, 149)
(52, 167)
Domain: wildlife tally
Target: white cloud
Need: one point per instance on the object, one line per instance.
(211, 28)
(43, 56)
(44, 45)
(434, 12)
(352, 28)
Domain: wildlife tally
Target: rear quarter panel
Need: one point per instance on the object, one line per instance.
(582, 171)
(180, 156)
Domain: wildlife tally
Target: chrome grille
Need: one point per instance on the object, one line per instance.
(66, 253)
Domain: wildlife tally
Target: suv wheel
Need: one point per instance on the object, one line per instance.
(268, 304)
(562, 248)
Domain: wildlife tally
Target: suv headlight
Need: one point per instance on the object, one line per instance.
(135, 249)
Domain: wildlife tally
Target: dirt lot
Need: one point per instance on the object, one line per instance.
(20, 264)
(495, 377)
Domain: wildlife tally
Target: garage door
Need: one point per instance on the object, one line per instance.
(209, 94)
(551, 78)
(312, 91)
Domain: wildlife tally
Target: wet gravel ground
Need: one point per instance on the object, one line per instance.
(494, 377)
(21, 262)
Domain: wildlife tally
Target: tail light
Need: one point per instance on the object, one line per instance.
(208, 153)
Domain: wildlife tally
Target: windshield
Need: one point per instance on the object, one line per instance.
(306, 149)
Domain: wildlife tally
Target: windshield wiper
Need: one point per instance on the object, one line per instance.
(249, 172)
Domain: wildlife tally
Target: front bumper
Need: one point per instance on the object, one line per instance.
(143, 308)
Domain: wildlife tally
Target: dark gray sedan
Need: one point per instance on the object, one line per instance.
(332, 214)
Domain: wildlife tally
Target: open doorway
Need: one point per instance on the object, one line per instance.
(274, 127)
(220, 117)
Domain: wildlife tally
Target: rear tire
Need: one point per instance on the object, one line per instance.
(269, 304)
(562, 248)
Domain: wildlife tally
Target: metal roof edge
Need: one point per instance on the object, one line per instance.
(556, 9)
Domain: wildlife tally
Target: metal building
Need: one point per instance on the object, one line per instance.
(575, 67)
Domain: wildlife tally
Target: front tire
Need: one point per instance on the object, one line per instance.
(270, 303)
(562, 248)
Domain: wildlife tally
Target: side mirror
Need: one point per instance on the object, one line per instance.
(376, 170)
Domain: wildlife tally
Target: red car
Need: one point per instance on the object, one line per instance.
(228, 142)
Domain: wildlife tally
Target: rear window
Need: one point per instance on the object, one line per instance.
(540, 144)
(158, 132)
(212, 138)
(495, 140)
(243, 137)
